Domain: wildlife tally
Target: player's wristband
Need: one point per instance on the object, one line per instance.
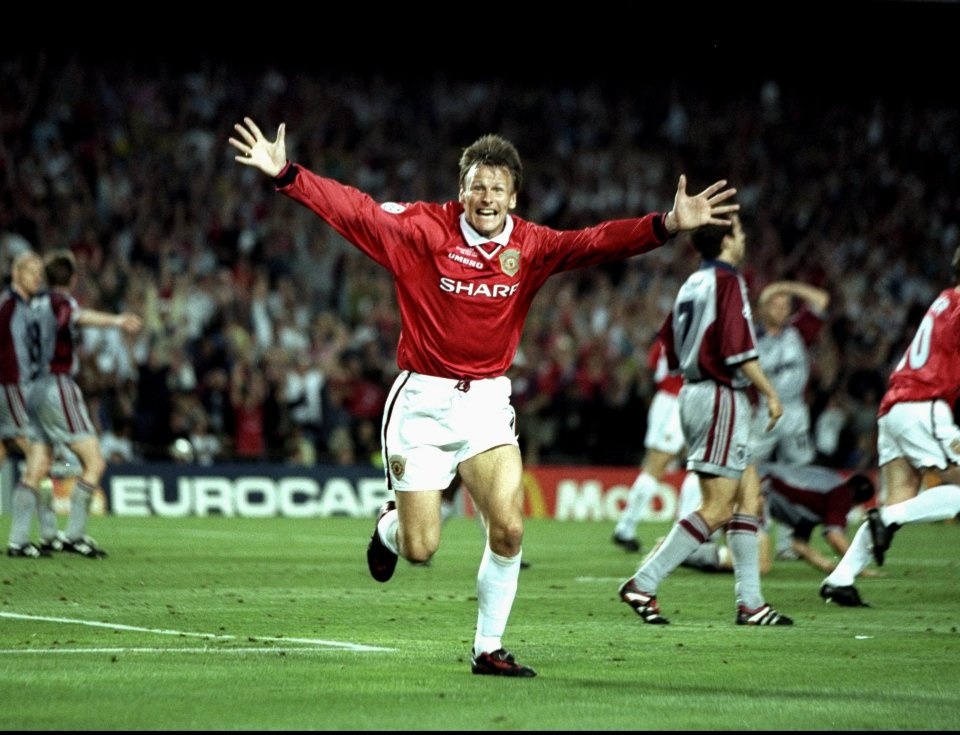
(660, 227)
(286, 176)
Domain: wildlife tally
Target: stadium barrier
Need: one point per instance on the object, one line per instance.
(257, 490)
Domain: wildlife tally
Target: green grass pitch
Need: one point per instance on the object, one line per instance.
(275, 624)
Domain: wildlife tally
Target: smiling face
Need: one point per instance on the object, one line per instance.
(487, 196)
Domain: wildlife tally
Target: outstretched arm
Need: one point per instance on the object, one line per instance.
(706, 208)
(126, 321)
(255, 150)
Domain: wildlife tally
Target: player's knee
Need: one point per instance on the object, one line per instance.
(420, 547)
(506, 538)
(716, 516)
(94, 469)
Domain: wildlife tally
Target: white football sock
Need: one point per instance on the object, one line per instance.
(496, 590)
(936, 504)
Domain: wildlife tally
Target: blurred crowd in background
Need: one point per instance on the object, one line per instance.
(269, 337)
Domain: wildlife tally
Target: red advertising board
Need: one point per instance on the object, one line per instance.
(578, 493)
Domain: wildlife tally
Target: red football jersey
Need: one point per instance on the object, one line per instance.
(663, 378)
(463, 299)
(930, 368)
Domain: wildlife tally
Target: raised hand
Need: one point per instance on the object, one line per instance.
(706, 208)
(255, 150)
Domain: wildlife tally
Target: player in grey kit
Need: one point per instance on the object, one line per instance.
(20, 356)
(784, 336)
(709, 337)
(56, 403)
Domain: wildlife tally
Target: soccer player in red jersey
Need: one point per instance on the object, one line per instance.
(465, 274)
(917, 433)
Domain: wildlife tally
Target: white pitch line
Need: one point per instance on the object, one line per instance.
(205, 649)
(212, 636)
(591, 580)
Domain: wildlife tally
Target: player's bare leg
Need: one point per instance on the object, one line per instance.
(655, 464)
(494, 479)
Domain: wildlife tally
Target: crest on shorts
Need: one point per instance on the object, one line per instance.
(398, 465)
(510, 261)
(741, 453)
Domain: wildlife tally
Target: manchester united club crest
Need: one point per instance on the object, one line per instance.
(510, 261)
(398, 465)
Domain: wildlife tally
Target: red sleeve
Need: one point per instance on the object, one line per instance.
(665, 336)
(653, 354)
(369, 226)
(612, 240)
(838, 505)
(737, 341)
(808, 324)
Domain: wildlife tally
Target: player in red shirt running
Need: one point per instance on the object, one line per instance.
(916, 434)
(465, 274)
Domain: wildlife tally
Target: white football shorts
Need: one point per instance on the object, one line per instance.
(431, 425)
(922, 432)
(664, 432)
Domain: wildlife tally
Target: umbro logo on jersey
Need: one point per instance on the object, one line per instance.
(466, 261)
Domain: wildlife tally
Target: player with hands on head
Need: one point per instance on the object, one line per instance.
(784, 338)
(465, 274)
